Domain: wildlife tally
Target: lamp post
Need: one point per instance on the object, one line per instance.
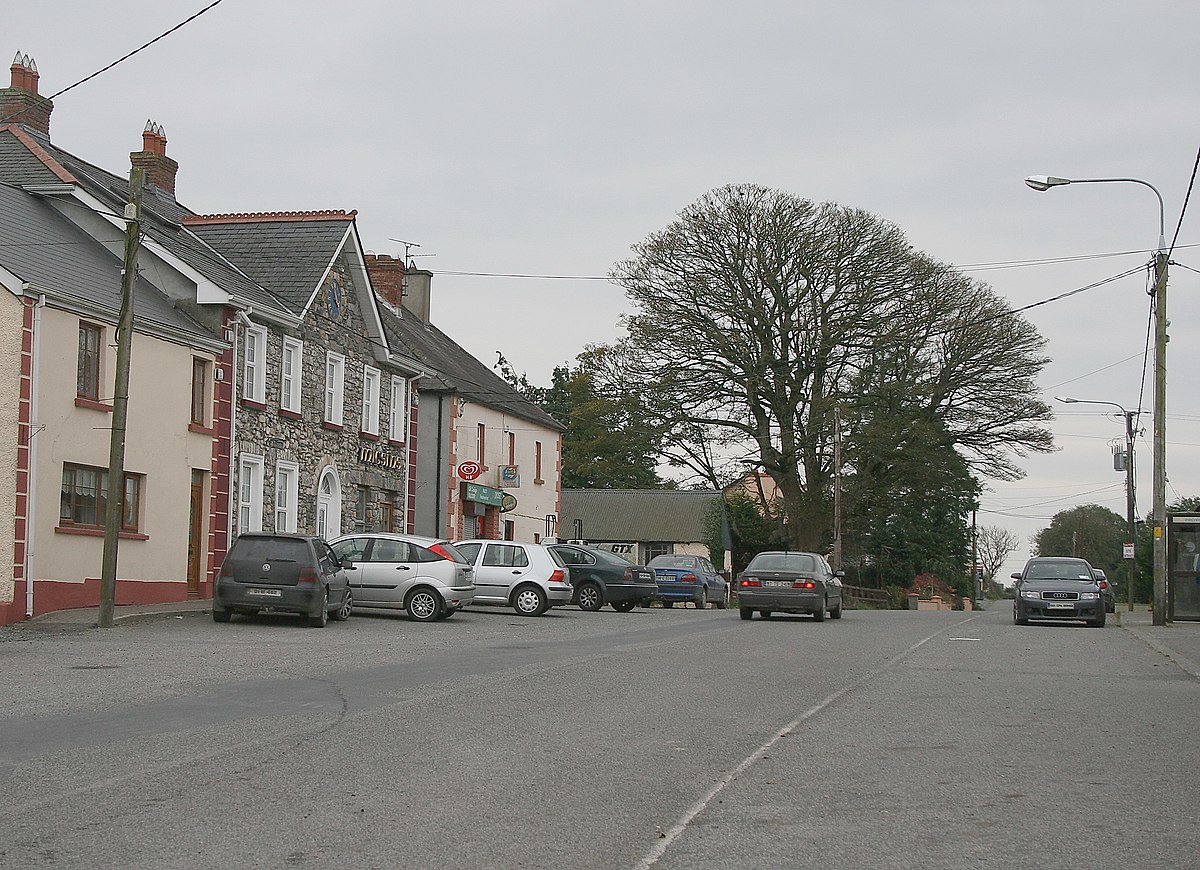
(1129, 500)
(1045, 182)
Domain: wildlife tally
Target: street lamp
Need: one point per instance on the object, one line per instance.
(1129, 500)
(1045, 182)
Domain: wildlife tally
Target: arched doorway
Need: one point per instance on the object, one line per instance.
(329, 504)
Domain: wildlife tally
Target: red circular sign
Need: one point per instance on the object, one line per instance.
(469, 470)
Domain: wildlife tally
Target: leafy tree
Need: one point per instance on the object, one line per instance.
(1090, 532)
(761, 316)
(605, 444)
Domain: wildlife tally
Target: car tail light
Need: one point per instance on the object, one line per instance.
(557, 576)
(308, 575)
(804, 584)
(441, 551)
(688, 578)
(749, 581)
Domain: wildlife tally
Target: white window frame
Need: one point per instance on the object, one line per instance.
(335, 385)
(370, 400)
(398, 414)
(250, 493)
(291, 374)
(287, 494)
(254, 370)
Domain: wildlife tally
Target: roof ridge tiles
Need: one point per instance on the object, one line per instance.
(262, 217)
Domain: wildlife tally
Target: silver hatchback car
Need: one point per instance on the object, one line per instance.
(530, 578)
(424, 576)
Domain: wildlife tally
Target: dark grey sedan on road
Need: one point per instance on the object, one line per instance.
(791, 583)
(1058, 588)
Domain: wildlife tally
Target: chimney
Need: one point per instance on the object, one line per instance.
(402, 286)
(20, 103)
(160, 169)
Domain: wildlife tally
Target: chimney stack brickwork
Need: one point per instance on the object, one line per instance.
(20, 103)
(160, 169)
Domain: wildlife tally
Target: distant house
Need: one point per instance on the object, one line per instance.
(640, 523)
(469, 416)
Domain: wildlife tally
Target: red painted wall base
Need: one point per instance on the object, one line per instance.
(51, 595)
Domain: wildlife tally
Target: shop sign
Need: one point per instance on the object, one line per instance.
(482, 494)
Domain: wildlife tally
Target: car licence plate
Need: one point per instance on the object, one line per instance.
(777, 583)
(265, 593)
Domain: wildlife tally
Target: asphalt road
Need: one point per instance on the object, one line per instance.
(654, 739)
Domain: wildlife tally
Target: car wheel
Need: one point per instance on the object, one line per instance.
(322, 617)
(220, 615)
(836, 613)
(591, 598)
(624, 606)
(722, 602)
(702, 601)
(668, 604)
(745, 612)
(819, 614)
(343, 612)
(530, 601)
(423, 605)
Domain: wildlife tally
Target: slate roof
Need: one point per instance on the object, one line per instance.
(161, 213)
(637, 514)
(455, 369)
(40, 246)
(289, 255)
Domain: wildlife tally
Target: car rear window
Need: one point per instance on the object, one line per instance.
(271, 550)
(782, 562)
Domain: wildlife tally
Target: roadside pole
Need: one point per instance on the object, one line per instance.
(114, 506)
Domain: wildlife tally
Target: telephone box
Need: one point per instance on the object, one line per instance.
(1183, 565)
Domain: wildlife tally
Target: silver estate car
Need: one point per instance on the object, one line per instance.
(426, 577)
(1058, 588)
(789, 582)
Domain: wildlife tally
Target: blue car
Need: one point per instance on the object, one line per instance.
(689, 578)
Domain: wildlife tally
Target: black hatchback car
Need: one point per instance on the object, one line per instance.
(601, 578)
(282, 574)
(1058, 588)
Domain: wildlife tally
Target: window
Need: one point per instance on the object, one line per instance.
(482, 441)
(360, 509)
(287, 491)
(84, 498)
(254, 380)
(291, 375)
(335, 378)
(90, 342)
(250, 494)
(399, 409)
(370, 401)
(199, 391)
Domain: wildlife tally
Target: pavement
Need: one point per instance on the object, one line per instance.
(1179, 641)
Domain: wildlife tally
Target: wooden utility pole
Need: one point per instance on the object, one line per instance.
(115, 504)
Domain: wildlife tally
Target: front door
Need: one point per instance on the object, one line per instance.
(196, 534)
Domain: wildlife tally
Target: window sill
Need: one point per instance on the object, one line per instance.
(90, 532)
(332, 427)
(291, 415)
(81, 402)
(250, 403)
(368, 436)
(210, 431)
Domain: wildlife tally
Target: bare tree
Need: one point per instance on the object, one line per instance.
(993, 547)
(759, 313)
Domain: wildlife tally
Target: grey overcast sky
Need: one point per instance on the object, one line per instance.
(546, 138)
